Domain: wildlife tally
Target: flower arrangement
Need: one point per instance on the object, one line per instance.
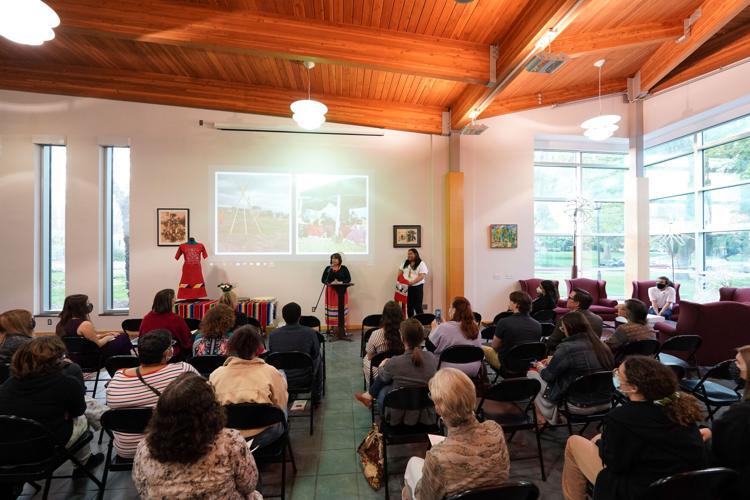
(226, 287)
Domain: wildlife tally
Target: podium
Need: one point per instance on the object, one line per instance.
(341, 289)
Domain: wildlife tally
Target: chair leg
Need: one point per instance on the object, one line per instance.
(570, 426)
(283, 472)
(291, 453)
(46, 487)
(385, 469)
(96, 384)
(539, 450)
(101, 436)
(312, 414)
(583, 429)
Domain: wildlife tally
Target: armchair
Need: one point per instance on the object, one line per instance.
(530, 285)
(640, 292)
(602, 306)
(734, 294)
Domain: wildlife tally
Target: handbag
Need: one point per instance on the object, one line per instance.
(370, 452)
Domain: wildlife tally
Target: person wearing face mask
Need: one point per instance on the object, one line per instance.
(75, 322)
(651, 437)
(662, 297)
(731, 431)
(546, 297)
(520, 328)
(16, 327)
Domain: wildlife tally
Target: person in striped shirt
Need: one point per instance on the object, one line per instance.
(140, 387)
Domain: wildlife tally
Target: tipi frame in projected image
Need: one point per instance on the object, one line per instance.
(247, 202)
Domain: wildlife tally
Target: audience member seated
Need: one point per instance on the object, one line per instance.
(46, 387)
(16, 328)
(413, 368)
(385, 338)
(161, 317)
(473, 455)
(600, 304)
(245, 378)
(188, 453)
(731, 431)
(636, 328)
(651, 437)
(214, 331)
(578, 300)
(296, 337)
(580, 353)
(520, 328)
(229, 298)
(546, 297)
(140, 387)
(460, 330)
(75, 322)
(662, 297)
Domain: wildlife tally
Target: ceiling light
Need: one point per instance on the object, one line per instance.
(309, 114)
(28, 22)
(600, 127)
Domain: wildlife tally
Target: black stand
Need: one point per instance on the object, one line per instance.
(341, 289)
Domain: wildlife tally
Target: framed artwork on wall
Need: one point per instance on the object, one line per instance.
(172, 226)
(407, 236)
(503, 235)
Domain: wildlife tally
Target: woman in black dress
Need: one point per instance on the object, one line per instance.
(336, 271)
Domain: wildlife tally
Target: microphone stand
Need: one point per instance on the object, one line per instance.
(328, 274)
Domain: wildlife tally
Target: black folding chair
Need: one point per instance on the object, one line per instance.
(425, 319)
(295, 360)
(87, 355)
(510, 490)
(29, 453)
(464, 354)
(717, 483)
(510, 403)
(254, 415)
(310, 322)
(587, 391)
(322, 341)
(205, 365)
(477, 318)
(519, 358)
(131, 325)
(488, 333)
(645, 347)
(254, 322)
(374, 363)
(500, 316)
(370, 324)
(365, 338)
(128, 421)
(193, 324)
(114, 363)
(685, 345)
(546, 316)
(547, 329)
(713, 394)
(405, 399)
(4, 372)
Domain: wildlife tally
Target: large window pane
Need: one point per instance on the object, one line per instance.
(677, 147)
(688, 279)
(553, 254)
(604, 159)
(675, 214)
(54, 167)
(728, 252)
(555, 156)
(726, 130)
(666, 250)
(604, 258)
(670, 177)
(727, 164)
(726, 208)
(608, 218)
(554, 182)
(603, 183)
(118, 230)
(550, 217)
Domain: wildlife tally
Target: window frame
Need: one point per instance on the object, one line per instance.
(45, 228)
(107, 286)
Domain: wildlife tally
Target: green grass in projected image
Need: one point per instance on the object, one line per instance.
(252, 231)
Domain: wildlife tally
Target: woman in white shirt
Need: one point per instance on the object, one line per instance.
(414, 271)
(662, 297)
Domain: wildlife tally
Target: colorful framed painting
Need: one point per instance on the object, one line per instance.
(503, 235)
(407, 236)
(172, 226)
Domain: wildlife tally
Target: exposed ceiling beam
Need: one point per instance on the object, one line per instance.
(516, 48)
(502, 106)
(247, 33)
(715, 14)
(626, 37)
(173, 90)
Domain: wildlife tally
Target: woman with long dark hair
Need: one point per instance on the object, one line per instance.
(161, 317)
(188, 453)
(414, 271)
(75, 322)
(546, 297)
(461, 329)
(652, 436)
(335, 272)
(16, 328)
(385, 338)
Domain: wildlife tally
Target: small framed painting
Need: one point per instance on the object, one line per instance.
(407, 236)
(172, 226)
(503, 235)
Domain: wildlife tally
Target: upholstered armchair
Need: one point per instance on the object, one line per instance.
(640, 292)
(530, 285)
(601, 306)
(734, 294)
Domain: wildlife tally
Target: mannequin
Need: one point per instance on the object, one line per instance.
(192, 285)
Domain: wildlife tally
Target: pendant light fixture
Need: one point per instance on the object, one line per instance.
(28, 22)
(309, 114)
(601, 127)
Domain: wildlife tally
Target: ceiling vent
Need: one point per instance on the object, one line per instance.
(473, 128)
(546, 62)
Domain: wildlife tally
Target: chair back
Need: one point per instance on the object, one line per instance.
(254, 322)
(597, 288)
(84, 353)
(207, 364)
(546, 316)
(131, 325)
(4, 372)
(679, 372)
(114, 363)
(477, 318)
(645, 347)
(461, 354)
(688, 344)
(24, 443)
(127, 420)
(593, 389)
(488, 333)
(734, 294)
(372, 321)
(530, 285)
(513, 389)
(376, 360)
(252, 415)
(720, 371)
(290, 360)
(519, 358)
(368, 334)
(500, 316)
(310, 322)
(425, 319)
(547, 329)
(408, 398)
(708, 484)
(192, 323)
(510, 490)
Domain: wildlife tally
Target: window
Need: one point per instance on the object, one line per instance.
(600, 178)
(700, 209)
(53, 228)
(117, 228)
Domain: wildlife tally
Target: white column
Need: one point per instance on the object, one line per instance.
(636, 204)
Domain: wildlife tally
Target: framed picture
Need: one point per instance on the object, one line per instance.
(503, 235)
(407, 236)
(172, 226)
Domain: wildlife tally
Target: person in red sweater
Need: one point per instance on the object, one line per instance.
(162, 317)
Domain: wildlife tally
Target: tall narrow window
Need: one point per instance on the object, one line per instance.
(53, 227)
(117, 228)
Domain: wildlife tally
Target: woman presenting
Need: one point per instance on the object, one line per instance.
(414, 271)
(335, 272)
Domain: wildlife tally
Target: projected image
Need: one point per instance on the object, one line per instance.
(332, 214)
(253, 213)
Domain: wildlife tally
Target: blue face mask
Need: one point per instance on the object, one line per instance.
(616, 381)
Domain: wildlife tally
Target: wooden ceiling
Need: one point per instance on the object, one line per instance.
(395, 64)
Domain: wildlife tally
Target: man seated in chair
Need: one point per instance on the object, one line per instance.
(578, 300)
(295, 337)
(519, 328)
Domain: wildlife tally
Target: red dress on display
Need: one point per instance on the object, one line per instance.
(192, 285)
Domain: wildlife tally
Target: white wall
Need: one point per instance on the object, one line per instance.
(171, 163)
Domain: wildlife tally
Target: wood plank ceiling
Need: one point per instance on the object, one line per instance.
(395, 64)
